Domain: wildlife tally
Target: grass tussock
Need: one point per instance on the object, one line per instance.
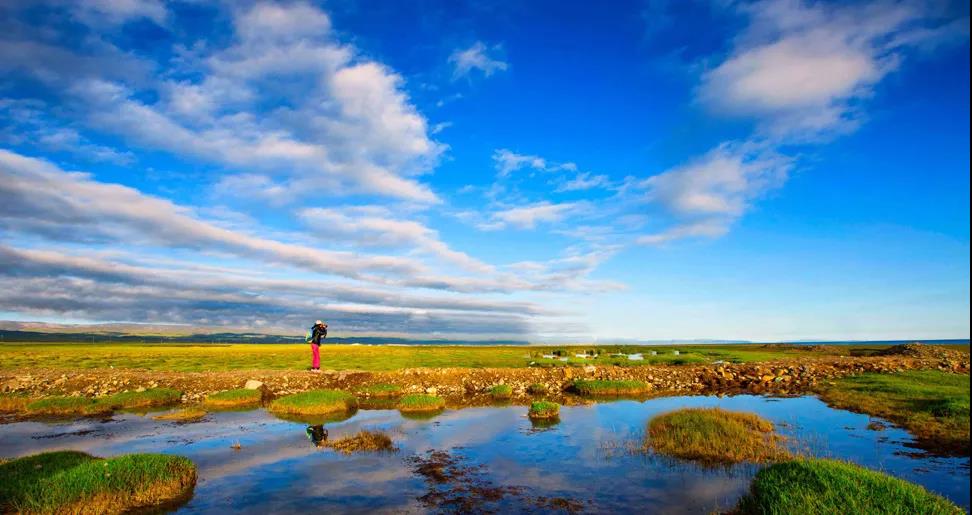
(75, 482)
(714, 436)
(829, 486)
(190, 414)
(315, 402)
(606, 387)
(501, 391)
(544, 409)
(363, 441)
(235, 398)
(420, 403)
(932, 405)
(381, 390)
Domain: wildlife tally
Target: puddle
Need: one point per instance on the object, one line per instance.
(491, 458)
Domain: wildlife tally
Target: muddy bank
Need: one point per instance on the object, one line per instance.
(470, 385)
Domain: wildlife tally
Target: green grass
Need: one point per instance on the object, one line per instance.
(544, 409)
(420, 403)
(381, 390)
(714, 436)
(74, 482)
(827, 486)
(501, 391)
(65, 405)
(932, 405)
(234, 398)
(315, 402)
(219, 357)
(604, 387)
(537, 389)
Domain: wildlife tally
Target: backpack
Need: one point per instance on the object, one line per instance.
(309, 336)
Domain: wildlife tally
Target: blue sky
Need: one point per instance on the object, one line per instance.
(772, 170)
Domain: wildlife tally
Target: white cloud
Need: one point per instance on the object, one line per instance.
(476, 57)
(527, 217)
(116, 12)
(585, 181)
(507, 162)
(707, 195)
(801, 68)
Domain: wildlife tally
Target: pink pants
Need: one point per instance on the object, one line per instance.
(316, 351)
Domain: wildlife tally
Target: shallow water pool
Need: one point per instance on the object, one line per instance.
(481, 459)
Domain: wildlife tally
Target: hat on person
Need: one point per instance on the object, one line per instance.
(318, 322)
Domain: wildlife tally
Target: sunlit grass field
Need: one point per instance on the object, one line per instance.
(216, 357)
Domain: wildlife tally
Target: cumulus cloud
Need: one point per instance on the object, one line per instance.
(801, 68)
(476, 57)
(528, 216)
(707, 195)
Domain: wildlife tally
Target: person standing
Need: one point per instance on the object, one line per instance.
(316, 335)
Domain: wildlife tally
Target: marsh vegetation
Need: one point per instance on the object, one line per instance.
(714, 436)
(315, 402)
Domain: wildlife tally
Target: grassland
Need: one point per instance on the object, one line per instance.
(827, 486)
(74, 482)
(218, 357)
(714, 436)
(932, 405)
(315, 402)
(66, 405)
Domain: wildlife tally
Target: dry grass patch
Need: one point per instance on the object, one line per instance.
(315, 402)
(12, 402)
(235, 398)
(190, 414)
(362, 441)
(714, 436)
(75, 482)
(420, 403)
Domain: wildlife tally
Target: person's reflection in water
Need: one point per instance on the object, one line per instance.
(317, 434)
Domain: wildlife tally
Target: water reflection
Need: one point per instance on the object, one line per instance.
(534, 466)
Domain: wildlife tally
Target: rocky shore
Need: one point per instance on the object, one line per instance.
(462, 386)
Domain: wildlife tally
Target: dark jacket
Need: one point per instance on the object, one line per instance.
(318, 333)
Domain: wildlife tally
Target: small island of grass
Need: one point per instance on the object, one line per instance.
(315, 402)
(829, 486)
(537, 389)
(609, 387)
(501, 391)
(714, 436)
(75, 482)
(362, 441)
(544, 410)
(420, 403)
(239, 397)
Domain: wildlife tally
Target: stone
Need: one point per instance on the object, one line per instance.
(431, 390)
(140, 389)
(253, 384)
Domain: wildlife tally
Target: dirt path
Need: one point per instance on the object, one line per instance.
(469, 385)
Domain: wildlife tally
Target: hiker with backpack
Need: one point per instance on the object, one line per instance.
(314, 336)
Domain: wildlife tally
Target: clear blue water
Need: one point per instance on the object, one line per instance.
(277, 469)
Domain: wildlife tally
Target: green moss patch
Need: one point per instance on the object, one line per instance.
(235, 398)
(828, 486)
(714, 436)
(74, 482)
(605, 387)
(544, 409)
(315, 402)
(420, 403)
(381, 390)
(501, 391)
